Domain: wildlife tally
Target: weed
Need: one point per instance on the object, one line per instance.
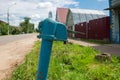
(69, 62)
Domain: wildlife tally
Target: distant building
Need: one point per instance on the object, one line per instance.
(115, 20)
(61, 14)
(50, 15)
(77, 16)
(84, 23)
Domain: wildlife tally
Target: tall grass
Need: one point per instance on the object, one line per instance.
(69, 62)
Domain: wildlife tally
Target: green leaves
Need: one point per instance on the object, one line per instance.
(3, 29)
(26, 26)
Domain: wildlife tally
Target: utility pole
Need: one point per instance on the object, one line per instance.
(8, 15)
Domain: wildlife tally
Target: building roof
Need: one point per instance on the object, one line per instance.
(76, 16)
(61, 14)
(114, 4)
(87, 11)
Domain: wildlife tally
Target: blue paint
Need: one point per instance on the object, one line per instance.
(110, 21)
(50, 30)
(44, 59)
(116, 40)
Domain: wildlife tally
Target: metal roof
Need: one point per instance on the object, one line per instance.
(87, 11)
(76, 16)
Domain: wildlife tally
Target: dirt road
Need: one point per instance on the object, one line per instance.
(13, 52)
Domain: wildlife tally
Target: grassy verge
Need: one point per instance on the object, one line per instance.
(69, 62)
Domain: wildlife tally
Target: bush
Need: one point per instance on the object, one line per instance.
(3, 29)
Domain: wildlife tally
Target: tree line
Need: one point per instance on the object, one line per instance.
(24, 27)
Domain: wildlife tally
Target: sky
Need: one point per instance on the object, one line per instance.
(38, 10)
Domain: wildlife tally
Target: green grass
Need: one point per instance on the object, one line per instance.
(69, 62)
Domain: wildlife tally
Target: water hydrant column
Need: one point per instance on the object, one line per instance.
(50, 30)
(44, 59)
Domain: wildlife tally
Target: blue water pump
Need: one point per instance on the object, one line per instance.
(49, 31)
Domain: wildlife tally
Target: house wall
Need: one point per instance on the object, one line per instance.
(116, 26)
(73, 29)
(69, 21)
(115, 21)
(71, 34)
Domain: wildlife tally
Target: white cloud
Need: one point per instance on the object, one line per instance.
(35, 9)
(45, 5)
(35, 16)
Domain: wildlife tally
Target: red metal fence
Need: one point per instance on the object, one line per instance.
(98, 29)
(80, 28)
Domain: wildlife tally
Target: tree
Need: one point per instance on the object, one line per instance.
(26, 26)
(27, 19)
(31, 28)
(23, 27)
(37, 30)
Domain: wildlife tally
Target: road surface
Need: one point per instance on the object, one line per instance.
(13, 50)
(8, 39)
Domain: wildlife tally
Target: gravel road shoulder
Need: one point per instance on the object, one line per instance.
(12, 54)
